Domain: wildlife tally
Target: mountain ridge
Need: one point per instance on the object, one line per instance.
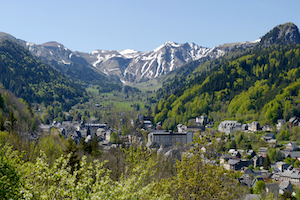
(128, 64)
(28, 78)
(136, 66)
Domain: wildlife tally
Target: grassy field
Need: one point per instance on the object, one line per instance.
(129, 101)
(93, 90)
(152, 85)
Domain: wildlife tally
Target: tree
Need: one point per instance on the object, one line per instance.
(125, 130)
(259, 187)
(297, 196)
(278, 156)
(70, 152)
(196, 179)
(249, 146)
(12, 119)
(95, 151)
(114, 138)
(267, 164)
(10, 178)
(51, 147)
(233, 144)
(287, 195)
(1, 102)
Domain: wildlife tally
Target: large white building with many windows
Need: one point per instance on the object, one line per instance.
(168, 138)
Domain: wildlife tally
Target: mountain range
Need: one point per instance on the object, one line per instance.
(128, 65)
(184, 65)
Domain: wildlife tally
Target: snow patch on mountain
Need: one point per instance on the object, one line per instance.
(128, 53)
(256, 41)
(65, 63)
(129, 64)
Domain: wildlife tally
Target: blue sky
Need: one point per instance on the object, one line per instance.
(141, 24)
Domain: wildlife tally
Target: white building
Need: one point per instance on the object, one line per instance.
(228, 126)
(181, 128)
(168, 138)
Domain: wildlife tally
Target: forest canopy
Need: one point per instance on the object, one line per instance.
(262, 84)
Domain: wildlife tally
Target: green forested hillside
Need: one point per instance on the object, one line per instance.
(182, 76)
(262, 84)
(16, 115)
(33, 81)
(84, 75)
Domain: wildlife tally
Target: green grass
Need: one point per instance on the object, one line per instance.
(152, 85)
(93, 90)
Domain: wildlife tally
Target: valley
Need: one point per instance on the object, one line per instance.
(147, 120)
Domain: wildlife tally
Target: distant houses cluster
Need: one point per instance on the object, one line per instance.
(229, 126)
(283, 174)
(250, 162)
(77, 130)
(183, 136)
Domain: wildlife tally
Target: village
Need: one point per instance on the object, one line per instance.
(279, 177)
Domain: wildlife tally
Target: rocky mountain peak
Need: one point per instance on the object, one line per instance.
(282, 34)
(52, 44)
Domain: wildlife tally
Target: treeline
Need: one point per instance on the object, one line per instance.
(262, 84)
(33, 81)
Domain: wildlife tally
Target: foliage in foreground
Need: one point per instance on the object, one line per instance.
(194, 178)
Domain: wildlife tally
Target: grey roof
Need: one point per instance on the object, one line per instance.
(233, 161)
(245, 179)
(270, 135)
(257, 171)
(226, 156)
(272, 141)
(263, 149)
(294, 119)
(291, 174)
(266, 175)
(252, 197)
(284, 184)
(295, 154)
(272, 186)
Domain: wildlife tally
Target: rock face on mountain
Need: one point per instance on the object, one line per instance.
(135, 66)
(128, 65)
(283, 34)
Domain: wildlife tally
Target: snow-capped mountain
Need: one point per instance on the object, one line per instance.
(133, 66)
(129, 65)
(166, 58)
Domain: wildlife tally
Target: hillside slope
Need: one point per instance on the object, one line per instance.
(255, 84)
(28, 78)
(261, 85)
(68, 62)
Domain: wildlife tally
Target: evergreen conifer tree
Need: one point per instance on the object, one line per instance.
(267, 163)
